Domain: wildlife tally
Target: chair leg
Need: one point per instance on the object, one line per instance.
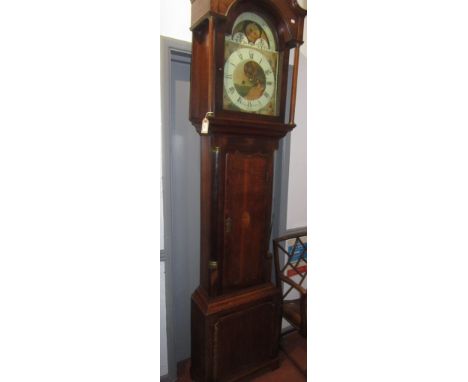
(293, 361)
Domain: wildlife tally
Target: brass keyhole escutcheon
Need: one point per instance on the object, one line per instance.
(228, 225)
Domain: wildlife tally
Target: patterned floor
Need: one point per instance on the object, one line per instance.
(293, 358)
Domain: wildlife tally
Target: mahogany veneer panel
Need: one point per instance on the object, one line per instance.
(248, 182)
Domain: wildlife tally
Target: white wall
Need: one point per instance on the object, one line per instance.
(297, 189)
(177, 27)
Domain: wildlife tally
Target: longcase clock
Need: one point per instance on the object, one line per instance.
(240, 58)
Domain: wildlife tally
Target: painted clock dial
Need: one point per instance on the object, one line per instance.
(251, 67)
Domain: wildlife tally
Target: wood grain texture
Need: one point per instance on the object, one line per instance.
(293, 362)
(214, 21)
(235, 335)
(236, 316)
(286, 9)
(248, 181)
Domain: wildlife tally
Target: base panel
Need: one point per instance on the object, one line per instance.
(235, 336)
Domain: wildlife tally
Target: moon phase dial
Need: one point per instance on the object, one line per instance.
(251, 66)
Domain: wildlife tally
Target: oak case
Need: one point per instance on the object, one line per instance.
(236, 309)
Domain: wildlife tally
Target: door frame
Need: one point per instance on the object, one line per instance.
(173, 50)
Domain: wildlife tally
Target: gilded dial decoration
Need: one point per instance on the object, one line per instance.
(250, 67)
(249, 79)
(254, 28)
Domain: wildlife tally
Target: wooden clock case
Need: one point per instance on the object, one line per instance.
(236, 318)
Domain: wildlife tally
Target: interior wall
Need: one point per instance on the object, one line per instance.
(162, 326)
(297, 183)
(176, 27)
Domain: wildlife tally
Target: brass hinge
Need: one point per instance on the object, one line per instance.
(213, 265)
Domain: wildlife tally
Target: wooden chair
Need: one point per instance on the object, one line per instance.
(290, 256)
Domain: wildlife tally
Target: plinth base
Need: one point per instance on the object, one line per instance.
(235, 336)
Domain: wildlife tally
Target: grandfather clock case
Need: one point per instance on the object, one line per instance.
(239, 80)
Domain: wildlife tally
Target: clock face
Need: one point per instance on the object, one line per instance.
(250, 67)
(249, 80)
